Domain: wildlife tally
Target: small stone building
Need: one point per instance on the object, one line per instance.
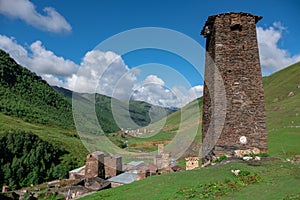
(113, 165)
(153, 169)
(233, 100)
(96, 184)
(78, 173)
(191, 162)
(121, 179)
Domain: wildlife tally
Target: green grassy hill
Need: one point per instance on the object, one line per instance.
(283, 111)
(26, 96)
(282, 92)
(29, 105)
(270, 179)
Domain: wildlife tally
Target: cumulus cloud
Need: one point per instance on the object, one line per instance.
(154, 91)
(38, 59)
(52, 80)
(101, 72)
(272, 57)
(195, 92)
(15, 50)
(25, 10)
(152, 79)
(46, 62)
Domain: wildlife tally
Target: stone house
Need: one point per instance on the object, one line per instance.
(78, 173)
(121, 179)
(191, 162)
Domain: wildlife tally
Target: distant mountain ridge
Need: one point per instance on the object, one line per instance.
(139, 110)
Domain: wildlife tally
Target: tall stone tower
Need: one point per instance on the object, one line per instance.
(232, 72)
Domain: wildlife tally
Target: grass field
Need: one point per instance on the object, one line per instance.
(277, 180)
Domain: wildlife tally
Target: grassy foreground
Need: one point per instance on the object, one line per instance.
(277, 180)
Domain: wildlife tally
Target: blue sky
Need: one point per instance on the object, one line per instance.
(58, 43)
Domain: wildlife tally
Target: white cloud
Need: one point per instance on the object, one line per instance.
(272, 57)
(154, 91)
(195, 92)
(152, 79)
(46, 62)
(98, 71)
(52, 80)
(25, 10)
(38, 59)
(13, 48)
(104, 73)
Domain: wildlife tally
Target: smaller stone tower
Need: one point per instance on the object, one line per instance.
(113, 165)
(94, 166)
(160, 149)
(162, 159)
(166, 158)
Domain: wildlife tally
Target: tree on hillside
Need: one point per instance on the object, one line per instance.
(26, 160)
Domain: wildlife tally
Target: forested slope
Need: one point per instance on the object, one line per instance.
(25, 95)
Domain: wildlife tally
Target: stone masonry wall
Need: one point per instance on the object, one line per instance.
(113, 166)
(232, 47)
(94, 166)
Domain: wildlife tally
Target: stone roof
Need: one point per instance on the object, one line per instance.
(113, 156)
(211, 19)
(97, 153)
(124, 178)
(77, 170)
(152, 167)
(177, 168)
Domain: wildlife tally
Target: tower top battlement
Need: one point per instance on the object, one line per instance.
(235, 16)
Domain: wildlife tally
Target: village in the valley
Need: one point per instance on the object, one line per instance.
(104, 172)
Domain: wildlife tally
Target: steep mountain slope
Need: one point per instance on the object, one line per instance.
(282, 98)
(25, 95)
(282, 92)
(29, 105)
